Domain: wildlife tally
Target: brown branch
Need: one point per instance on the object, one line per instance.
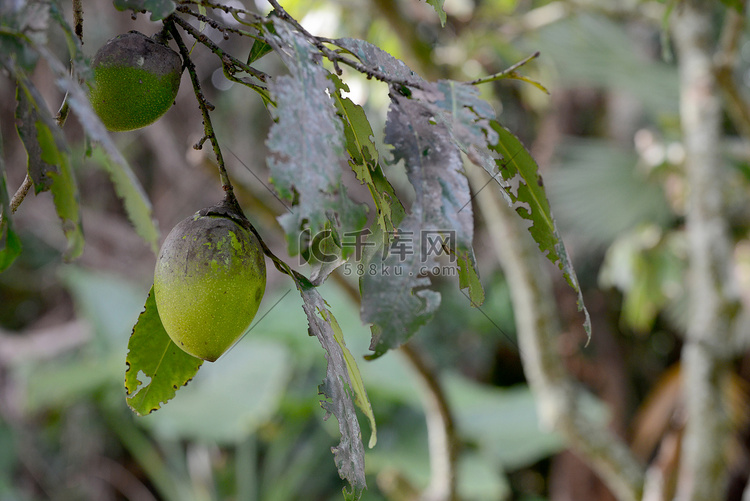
(203, 39)
(204, 107)
(20, 194)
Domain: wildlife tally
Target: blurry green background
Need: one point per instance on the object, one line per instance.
(250, 427)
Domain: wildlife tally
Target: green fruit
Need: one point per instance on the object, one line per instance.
(135, 81)
(209, 280)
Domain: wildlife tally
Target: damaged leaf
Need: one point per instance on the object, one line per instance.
(157, 367)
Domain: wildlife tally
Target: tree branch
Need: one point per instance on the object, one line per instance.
(713, 300)
(204, 107)
(557, 397)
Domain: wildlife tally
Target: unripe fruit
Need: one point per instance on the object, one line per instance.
(209, 280)
(136, 80)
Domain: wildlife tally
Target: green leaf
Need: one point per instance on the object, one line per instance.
(157, 367)
(49, 161)
(64, 191)
(10, 245)
(341, 386)
(441, 212)
(363, 158)
(438, 6)
(307, 145)
(208, 409)
(355, 378)
(518, 167)
(135, 200)
(159, 9)
(469, 278)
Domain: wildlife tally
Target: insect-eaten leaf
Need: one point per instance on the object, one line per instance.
(436, 236)
(156, 367)
(395, 295)
(519, 168)
(474, 129)
(343, 388)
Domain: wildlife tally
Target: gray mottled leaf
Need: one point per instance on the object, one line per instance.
(395, 298)
(440, 222)
(467, 116)
(474, 129)
(339, 389)
(307, 145)
(376, 58)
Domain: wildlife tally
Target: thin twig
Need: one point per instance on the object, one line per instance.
(203, 105)
(202, 38)
(336, 57)
(78, 18)
(20, 194)
(506, 73)
(215, 24)
(234, 11)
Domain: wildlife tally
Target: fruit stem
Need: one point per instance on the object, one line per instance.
(208, 128)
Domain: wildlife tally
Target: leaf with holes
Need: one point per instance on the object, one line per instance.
(342, 380)
(156, 367)
(440, 222)
(518, 167)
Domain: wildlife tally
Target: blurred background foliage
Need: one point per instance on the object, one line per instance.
(607, 140)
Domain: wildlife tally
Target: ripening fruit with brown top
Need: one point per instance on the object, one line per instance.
(209, 280)
(136, 80)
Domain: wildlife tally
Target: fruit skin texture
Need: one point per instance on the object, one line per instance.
(209, 280)
(136, 80)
